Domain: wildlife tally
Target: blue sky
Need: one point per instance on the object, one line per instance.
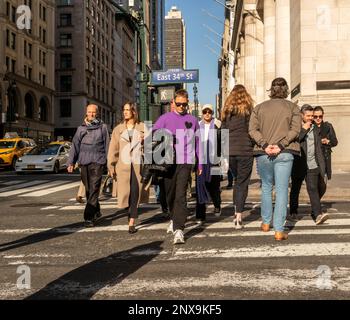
(198, 55)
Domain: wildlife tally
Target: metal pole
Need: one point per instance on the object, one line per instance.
(195, 92)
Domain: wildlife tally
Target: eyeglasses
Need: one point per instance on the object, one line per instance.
(318, 117)
(184, 105)
(207, 111)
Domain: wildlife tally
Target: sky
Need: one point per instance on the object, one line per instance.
(198, 55)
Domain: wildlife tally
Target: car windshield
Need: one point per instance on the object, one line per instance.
(7, 144)
(44, 151)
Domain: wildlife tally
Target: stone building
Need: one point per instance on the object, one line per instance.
(305, 41)
(27, 68)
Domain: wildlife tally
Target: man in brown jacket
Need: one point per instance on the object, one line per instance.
(275, 126)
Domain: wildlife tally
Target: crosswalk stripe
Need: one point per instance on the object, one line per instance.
(14, 182)
(51, 190)
(24, 186)
(30, 189)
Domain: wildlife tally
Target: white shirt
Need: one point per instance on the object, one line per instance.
(206, 131)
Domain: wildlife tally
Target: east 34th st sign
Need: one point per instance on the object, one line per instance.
(175, 76)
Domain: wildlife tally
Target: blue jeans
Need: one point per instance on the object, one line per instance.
(275, 171)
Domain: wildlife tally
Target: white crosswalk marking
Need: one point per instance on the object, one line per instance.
(52, 190)
(14, 182)
(31, 189)
(22, 187)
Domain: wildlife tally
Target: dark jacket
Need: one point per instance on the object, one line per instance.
(240, 142)
(318, 150)
(327, 132)
(90, 145)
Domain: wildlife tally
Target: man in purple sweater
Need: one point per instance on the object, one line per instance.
(183, 127)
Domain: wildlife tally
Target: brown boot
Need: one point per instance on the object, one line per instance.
(265, 227)
(280, 236)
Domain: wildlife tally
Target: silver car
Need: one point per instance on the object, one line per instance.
(51, 158)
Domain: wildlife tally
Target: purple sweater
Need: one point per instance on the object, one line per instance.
(184, 128)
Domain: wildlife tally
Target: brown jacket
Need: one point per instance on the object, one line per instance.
(276, 122)
(121, 154)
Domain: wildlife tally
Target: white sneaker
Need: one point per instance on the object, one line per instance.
(179, 237)
(170, 228)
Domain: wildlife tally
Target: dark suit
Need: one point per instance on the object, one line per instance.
(315, 182)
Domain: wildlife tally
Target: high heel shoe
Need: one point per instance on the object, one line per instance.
(132, 229)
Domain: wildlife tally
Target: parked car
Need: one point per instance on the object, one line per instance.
(50, 158)
(14, 148)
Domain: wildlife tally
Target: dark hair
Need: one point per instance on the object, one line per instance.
(279, 89)
(134, 111)
(181, 93)
(318, 108)
(306, 108)
(239, 103)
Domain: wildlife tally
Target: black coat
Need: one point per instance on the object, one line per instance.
(320, 160)
(327, 132)
(240, 142)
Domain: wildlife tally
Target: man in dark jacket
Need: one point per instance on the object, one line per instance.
(328, 138)
(309, 166)
(89, 149)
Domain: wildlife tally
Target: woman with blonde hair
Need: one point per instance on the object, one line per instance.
(235, 118)
(125, 162)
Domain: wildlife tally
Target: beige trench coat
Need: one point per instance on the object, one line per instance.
(121, 154)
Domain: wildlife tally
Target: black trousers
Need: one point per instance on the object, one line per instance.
(241, 168)
(91, 175)
(316, 188)
(213, 188)
(134, 194)
(176, 183)
(162, 195)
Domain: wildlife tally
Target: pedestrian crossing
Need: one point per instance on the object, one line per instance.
(35, 188)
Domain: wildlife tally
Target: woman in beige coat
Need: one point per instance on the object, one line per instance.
(125, 163)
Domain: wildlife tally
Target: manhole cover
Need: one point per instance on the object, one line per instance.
(31, 205)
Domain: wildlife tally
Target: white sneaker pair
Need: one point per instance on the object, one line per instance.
(179, 237)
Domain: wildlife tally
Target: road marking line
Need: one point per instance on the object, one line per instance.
(22, 186)
(29, 189)
(14, 182)
(51, 190)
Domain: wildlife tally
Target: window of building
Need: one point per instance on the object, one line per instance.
(65, 108)
(65, 39)
(65, 19)
(66, 61)
(66, 83)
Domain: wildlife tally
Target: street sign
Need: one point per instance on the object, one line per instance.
(175, 76)
(166, 94)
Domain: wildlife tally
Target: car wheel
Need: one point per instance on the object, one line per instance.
(56, 168)
(13, 164)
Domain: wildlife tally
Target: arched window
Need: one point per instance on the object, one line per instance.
(29, 105)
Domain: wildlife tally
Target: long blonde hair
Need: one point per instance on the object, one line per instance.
(239, 103)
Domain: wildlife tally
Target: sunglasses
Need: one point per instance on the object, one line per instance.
(184, 105)
(207, 111)
(318, 117)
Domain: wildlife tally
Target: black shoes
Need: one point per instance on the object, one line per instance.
(132, 229)
(89, 224)
(229, 187)
(217, 212)
(94, 221)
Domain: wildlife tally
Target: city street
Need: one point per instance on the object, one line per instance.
(41, 227)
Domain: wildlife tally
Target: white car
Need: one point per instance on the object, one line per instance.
(51, 158)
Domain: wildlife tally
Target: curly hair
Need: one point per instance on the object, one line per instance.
(279, 89)
(239, 103)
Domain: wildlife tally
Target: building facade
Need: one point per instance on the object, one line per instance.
(305, 41)
(86, 63)
(175, 40)
(27, 68)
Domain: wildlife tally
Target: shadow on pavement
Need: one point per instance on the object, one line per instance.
(85, 281)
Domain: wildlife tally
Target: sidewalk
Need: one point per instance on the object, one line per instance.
(338, 189)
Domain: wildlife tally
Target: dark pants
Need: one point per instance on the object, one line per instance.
(91, 175)
(241, 168)
(213, 188)
(316, 188)
(134, 194)
(176, 183)
(230, 177)
(162, 195)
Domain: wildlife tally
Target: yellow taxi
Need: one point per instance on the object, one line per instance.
(61, 142)
(13, 148)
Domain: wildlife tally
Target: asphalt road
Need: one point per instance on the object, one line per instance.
(41, 228)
